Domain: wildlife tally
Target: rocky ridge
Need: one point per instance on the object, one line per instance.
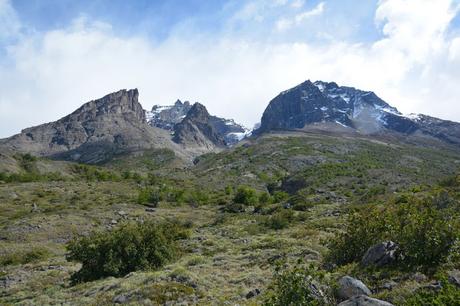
(94, 132)
(350, 109)
(167, 117)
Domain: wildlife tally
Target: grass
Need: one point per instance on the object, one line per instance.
(227, 254)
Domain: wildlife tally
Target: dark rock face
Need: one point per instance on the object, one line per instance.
(197, 130)
(167, 117)
(231, 131)
(93, 133)
(349, 108)
(380, 254)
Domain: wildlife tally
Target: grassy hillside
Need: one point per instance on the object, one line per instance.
(301, 192)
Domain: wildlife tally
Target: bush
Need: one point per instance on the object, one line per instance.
(300, 203)
(246, 195)
(424, 233)
(449, 295)
(280, 196)
(92, 173)
(148, 196)
(265, 198)
(24, 257)
(130, 247)
(299, 286)
(279, 220)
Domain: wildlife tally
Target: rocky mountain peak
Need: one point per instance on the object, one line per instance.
(198, 113)
(122, 102)
(165, 117)
(197, 130)
(97, 130)
(348, 108)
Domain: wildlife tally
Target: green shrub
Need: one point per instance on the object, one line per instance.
(92, 173)
(246, 195)
(265, 198)
(299, 286)
(424, 233)
(279, 220)
(129, 247)
(198, 197)
(23, 257)
(448, 295)
(280, 196)
(300, 203)
(148, 196)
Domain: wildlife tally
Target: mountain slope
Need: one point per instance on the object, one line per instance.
(167, 117)
(361, 111)
(195, 131)
(93, 133)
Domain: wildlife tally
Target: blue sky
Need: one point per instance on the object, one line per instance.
(233, 56)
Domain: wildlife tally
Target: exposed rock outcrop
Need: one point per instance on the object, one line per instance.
(350, 287)
(95, 132)
(167, 117)
(197, 131)
(349, 109)
(380, 254)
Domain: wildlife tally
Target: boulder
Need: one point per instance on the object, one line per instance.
(349, 287)
(454, 277)
(363, 300)
(253, 293)
(380, 254)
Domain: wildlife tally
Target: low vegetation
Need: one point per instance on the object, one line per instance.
(130, 247)
(425, 227)
(272, 221)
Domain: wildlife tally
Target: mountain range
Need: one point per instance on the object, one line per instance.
(334, 190)
(117, 124)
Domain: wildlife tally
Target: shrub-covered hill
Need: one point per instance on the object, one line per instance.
(252, 215)
(326, 167)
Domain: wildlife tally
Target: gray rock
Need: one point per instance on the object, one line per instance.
(454, 277)
(389, 285)
(167, 117)
(362, 300)
(436, 286)
(380, 254)
(121, 299)
(327, 105)
(349, 287)
(196, 130)
(419, 277)
(93, 133)
(253, 293)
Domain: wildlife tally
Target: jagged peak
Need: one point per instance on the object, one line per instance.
(198, 112)
(119, 101)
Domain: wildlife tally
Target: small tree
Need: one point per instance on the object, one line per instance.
(246, 195)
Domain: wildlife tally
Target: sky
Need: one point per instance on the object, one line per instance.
(233, 56)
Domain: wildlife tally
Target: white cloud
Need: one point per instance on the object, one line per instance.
(9, 22)
(286, 23)
(298, 3)
(414, 67)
